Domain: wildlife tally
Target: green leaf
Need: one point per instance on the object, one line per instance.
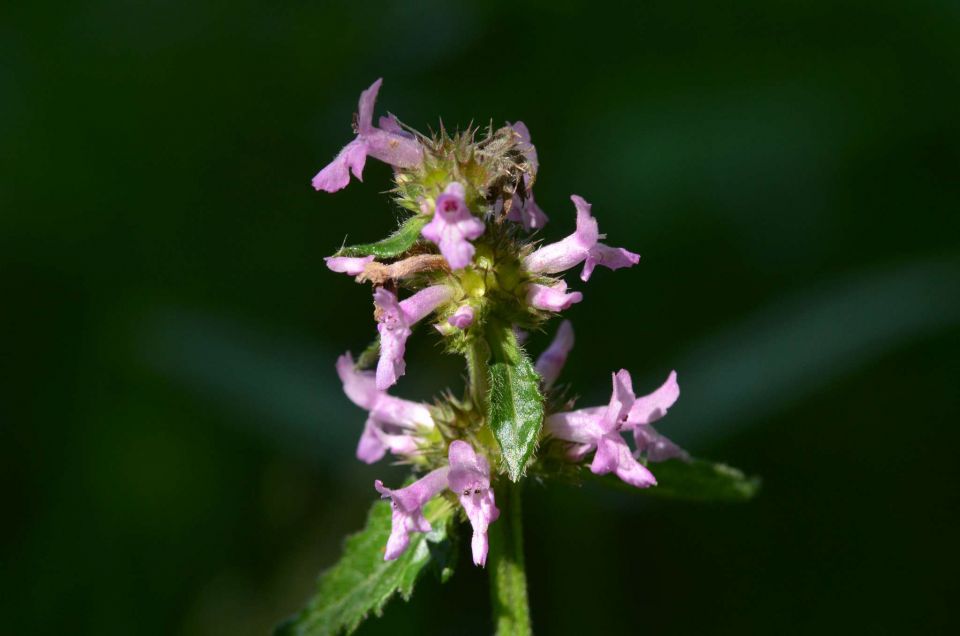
(394, 245)
(515, 406)
(362, 581)
(696, 480)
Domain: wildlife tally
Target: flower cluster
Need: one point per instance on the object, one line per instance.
(464, 260)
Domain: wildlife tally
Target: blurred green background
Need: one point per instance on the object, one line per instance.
(175, 451)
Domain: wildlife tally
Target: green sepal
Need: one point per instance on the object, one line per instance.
(392, 246)
(514, 402)
(362, 581)
(695, 480)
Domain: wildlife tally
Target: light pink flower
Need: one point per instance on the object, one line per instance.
(470, 479)
(553, 298)
(392, 422)
(580, 247)
(396, 319)
(389, 144)
(599, 428)
(551, 361)
(352, 265)
(453, 227)
(407, 506)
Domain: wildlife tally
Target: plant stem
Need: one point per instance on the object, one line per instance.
(508, 578)
(478, 371)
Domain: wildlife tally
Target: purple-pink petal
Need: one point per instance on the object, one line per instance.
(371, 448)
(551, 361)
(394, 329)
(360, 386)
(469, 478)
(650, 408)
(462, 318)
(336, 175)
(424, 302)
(453, 227)
(656, 447)
(407, 504)
(553, 298)
(614, 456)
(395, 326)
(527, 213)
(609, 257)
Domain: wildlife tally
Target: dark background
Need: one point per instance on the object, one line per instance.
(175, 452)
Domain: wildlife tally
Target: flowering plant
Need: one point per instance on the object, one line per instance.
(463, 259)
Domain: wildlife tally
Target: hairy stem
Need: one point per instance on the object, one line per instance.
(508, 579)
(478, 370)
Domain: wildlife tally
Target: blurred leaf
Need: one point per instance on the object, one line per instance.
(697, 480)
(394, 245)
(515, 405)
(362, 581)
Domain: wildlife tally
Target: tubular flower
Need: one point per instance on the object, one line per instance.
(580, 247)
(453, 227)
(551, 361)
(395, 323)
(470, 480)
(393, 423)
(407, 504)
(599, 429)
(389, 144)
(553, 298)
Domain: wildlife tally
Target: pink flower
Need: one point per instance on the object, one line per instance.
(599, 428)
(553, 298)
(407, 506)
(551, 361)
(579, 247)
(389, 144)
(645, 411)
(392, 421)
(453, 227)
(470, 479)
(395, 323)
(462, 318)
(351, 265)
